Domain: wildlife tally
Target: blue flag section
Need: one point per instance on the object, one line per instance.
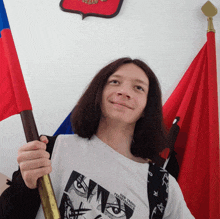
(65, 127)
(3, 17)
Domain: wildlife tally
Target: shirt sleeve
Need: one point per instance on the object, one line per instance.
(176, 206)
(18, 201)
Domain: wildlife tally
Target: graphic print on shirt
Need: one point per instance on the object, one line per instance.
(85, 199)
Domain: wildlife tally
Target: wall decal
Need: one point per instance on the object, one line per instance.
(98, 8)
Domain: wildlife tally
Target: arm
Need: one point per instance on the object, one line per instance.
(19, 201)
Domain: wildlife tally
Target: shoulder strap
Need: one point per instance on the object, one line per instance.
(51, 143)
(158, 188)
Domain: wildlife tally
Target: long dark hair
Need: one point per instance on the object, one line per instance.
(149, 135)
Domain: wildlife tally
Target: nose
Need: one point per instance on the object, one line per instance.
(124, 93)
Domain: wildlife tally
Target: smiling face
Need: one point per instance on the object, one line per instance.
(125, 94)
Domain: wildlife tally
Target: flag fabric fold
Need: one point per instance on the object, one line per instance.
(13, 92)
(194, 103)
(65, 127)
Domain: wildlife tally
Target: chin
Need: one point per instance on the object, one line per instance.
(126, 121)
(120, 117)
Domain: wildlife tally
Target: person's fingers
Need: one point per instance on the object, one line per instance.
(32, 145)
(35, 164)
(31, 177)
(32, 155)
(44, 139)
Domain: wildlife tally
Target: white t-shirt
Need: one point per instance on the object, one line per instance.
(91, 180)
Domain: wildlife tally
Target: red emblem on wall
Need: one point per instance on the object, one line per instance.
(98, 8)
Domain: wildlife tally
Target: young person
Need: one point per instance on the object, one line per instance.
(101, 171)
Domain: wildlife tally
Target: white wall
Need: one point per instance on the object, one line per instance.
(60, 53)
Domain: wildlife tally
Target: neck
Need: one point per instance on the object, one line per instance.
(117, 135)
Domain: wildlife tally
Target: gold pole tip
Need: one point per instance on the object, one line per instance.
(209, 9)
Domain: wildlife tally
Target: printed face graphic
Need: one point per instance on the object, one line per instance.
(125, 95)
(83, 198)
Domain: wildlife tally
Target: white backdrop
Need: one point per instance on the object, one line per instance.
(60, 53)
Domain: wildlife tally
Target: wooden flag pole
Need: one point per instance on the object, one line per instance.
(45, 188)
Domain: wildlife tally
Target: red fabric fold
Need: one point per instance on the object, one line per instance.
(13, 92)
(195, 101)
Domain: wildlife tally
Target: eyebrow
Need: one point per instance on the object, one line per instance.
(137, 80)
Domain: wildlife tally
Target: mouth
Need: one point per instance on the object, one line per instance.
(121, 104)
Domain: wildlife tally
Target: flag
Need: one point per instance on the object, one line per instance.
(65, 127)
(13, 94)
(193, 106)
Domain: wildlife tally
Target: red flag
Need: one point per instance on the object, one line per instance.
(195, 103)
(13, 92)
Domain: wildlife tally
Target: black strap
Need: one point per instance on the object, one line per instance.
(158, 188)
(51, 143)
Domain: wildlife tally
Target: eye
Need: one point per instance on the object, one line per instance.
(80, 188)
(139, 88)
(114, 82)
(115, 211)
